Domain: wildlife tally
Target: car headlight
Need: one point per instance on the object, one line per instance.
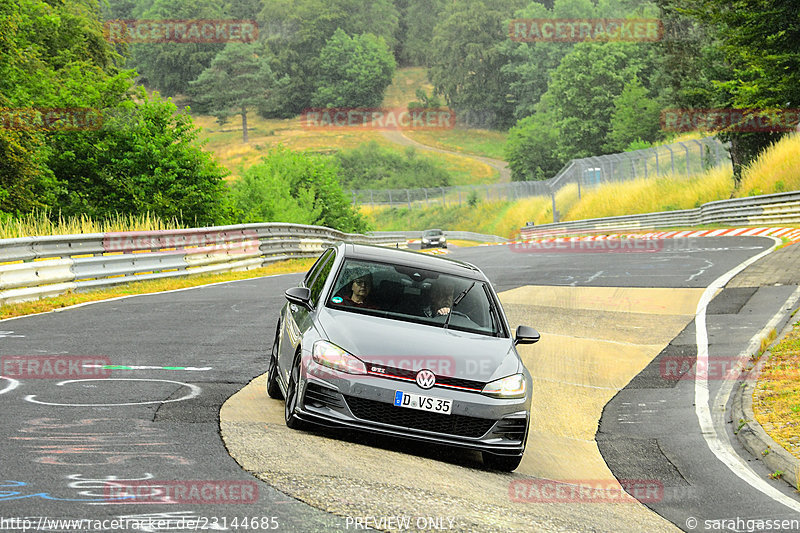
(330, 355)
(426, 240)
(509, 387)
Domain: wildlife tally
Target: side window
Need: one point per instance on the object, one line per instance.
(321, 277)
(312, 272)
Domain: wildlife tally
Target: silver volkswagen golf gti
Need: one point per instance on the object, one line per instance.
(403, 344)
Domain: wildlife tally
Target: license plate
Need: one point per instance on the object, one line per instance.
(423, 403)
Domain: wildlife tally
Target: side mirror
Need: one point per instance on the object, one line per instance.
(526, 335)
(299, 296)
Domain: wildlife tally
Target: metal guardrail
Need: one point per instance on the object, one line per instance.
(37, 267)
(781, 208)
(463, 235)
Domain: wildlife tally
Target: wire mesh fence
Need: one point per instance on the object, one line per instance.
(677, 160)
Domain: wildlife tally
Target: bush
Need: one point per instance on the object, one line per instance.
(296, 187)
(373, 167)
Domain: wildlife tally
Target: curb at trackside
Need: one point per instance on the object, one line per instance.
(790, 234)
(751, 435)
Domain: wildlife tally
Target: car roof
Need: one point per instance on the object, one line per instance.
(411, 258)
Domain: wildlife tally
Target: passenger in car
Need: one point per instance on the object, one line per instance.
(441, 299)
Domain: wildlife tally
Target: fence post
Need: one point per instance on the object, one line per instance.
(444, 202)
(408, 197)
(672, 159)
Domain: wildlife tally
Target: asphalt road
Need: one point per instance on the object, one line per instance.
(65, 444)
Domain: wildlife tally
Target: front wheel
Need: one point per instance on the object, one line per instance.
(292, 422)
(273, 389)
(504, 463)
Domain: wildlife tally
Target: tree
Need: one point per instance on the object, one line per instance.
(295, 187)
(236, 80)
(585, 86)
(353, 71)
(169, 67)
(54, 55)
(417, 21)
(532, 146)
(636, 117)
(145, 158)
(466, 59)
(311, 23)
(760, 42)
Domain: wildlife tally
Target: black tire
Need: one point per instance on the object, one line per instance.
(504, 463)
(292, 422)
(273, 389)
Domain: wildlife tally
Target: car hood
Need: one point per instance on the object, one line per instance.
(410, 346)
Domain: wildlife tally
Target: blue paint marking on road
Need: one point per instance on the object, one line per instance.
(8, 495)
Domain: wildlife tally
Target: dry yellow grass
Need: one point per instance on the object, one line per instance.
(404, 86)
(147, 287)
(777, 169)
(38, 224)
(666, 193)
(776, 399)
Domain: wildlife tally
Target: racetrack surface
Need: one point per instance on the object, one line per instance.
(59, 449)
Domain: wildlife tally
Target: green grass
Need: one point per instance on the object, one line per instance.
(486, 143)
(776, 398)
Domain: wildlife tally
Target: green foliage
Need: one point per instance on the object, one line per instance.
(586, 84)
(466, 59)
(294, 187)
(417, 20)
(237, 79)
(635, 117)
(145, 158)
(353, 71)
(295, 54)
(531, 148)
(169, 67)
(373, 167)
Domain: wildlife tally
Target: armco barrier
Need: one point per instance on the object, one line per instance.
(781, 208)
(39, 267)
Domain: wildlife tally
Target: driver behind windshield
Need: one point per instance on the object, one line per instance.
(358, 293)
(441, 299)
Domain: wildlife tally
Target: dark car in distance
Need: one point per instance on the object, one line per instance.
(360, 344)
(433, 238)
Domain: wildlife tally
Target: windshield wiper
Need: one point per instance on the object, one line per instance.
(457, 301)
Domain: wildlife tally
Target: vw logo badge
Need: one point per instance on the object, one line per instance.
(426, 379)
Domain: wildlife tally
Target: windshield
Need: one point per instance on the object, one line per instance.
(415, 295)
(433, 233)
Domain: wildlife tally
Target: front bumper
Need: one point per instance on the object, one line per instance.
(365, 403)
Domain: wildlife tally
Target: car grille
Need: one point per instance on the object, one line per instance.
(390, 372)
(386, 413)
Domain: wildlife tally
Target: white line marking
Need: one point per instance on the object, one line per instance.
(195, 391)
(12, 384)
(718, 445)
(61, 309)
